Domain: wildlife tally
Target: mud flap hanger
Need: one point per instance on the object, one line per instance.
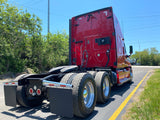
(60, 98)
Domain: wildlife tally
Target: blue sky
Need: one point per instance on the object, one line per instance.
(139, 19)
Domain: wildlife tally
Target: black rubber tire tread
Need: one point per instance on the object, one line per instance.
(78, 83)
(99, 78)
(18, 78)
(23, 100)
(93, 73)
(66, 77)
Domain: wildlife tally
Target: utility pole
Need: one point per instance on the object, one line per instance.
(48, 15)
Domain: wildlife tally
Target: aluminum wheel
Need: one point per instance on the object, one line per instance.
(106, 86)
(88, 94)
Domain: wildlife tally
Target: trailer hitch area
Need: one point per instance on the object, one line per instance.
(34, 87)
(60, 98)
(10, 89)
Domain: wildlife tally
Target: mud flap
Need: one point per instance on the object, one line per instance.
(61, 101)
(10, 95)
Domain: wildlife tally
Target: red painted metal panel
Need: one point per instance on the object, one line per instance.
(123, 75)
(89, 32)
(85, 50)
(122, 61)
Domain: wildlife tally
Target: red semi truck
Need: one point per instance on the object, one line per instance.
(98, 60)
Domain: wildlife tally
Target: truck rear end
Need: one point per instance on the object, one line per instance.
(97, 59)
(92, 39)
(96, 41)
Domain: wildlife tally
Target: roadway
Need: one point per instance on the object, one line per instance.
(101, 112)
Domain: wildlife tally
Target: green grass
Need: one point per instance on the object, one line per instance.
(148, 106)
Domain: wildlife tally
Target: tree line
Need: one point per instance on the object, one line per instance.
(147, 57)
(22, 44)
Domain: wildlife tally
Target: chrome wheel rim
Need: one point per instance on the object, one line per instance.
(106, 86)
(88, 94)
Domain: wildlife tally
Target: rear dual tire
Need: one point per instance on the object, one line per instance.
(84, 93)
(23, 99)
(21, 95)
(103, 84)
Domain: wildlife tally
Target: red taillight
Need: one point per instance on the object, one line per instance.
(13, 83)
(30, 91)
(62, 85)
(6, 83)
(51, 84)
(118, 78)
(38, 92)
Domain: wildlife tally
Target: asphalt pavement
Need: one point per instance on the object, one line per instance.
(101, 112)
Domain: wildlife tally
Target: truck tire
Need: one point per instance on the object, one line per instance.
(67, 78)
(103, 84)
(93, 73)
(84, 94)
(23, 100)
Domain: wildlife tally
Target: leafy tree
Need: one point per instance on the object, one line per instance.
(147, 57)
(153, 56)
(56, 49)
(22, 45)
(16, 27)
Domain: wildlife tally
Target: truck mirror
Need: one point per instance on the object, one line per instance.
(130, 49)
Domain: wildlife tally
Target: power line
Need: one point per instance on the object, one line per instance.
(143, 16)
(145, 43)
(31, 2)
(142, 28)
(40, 10)
(37, 9)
